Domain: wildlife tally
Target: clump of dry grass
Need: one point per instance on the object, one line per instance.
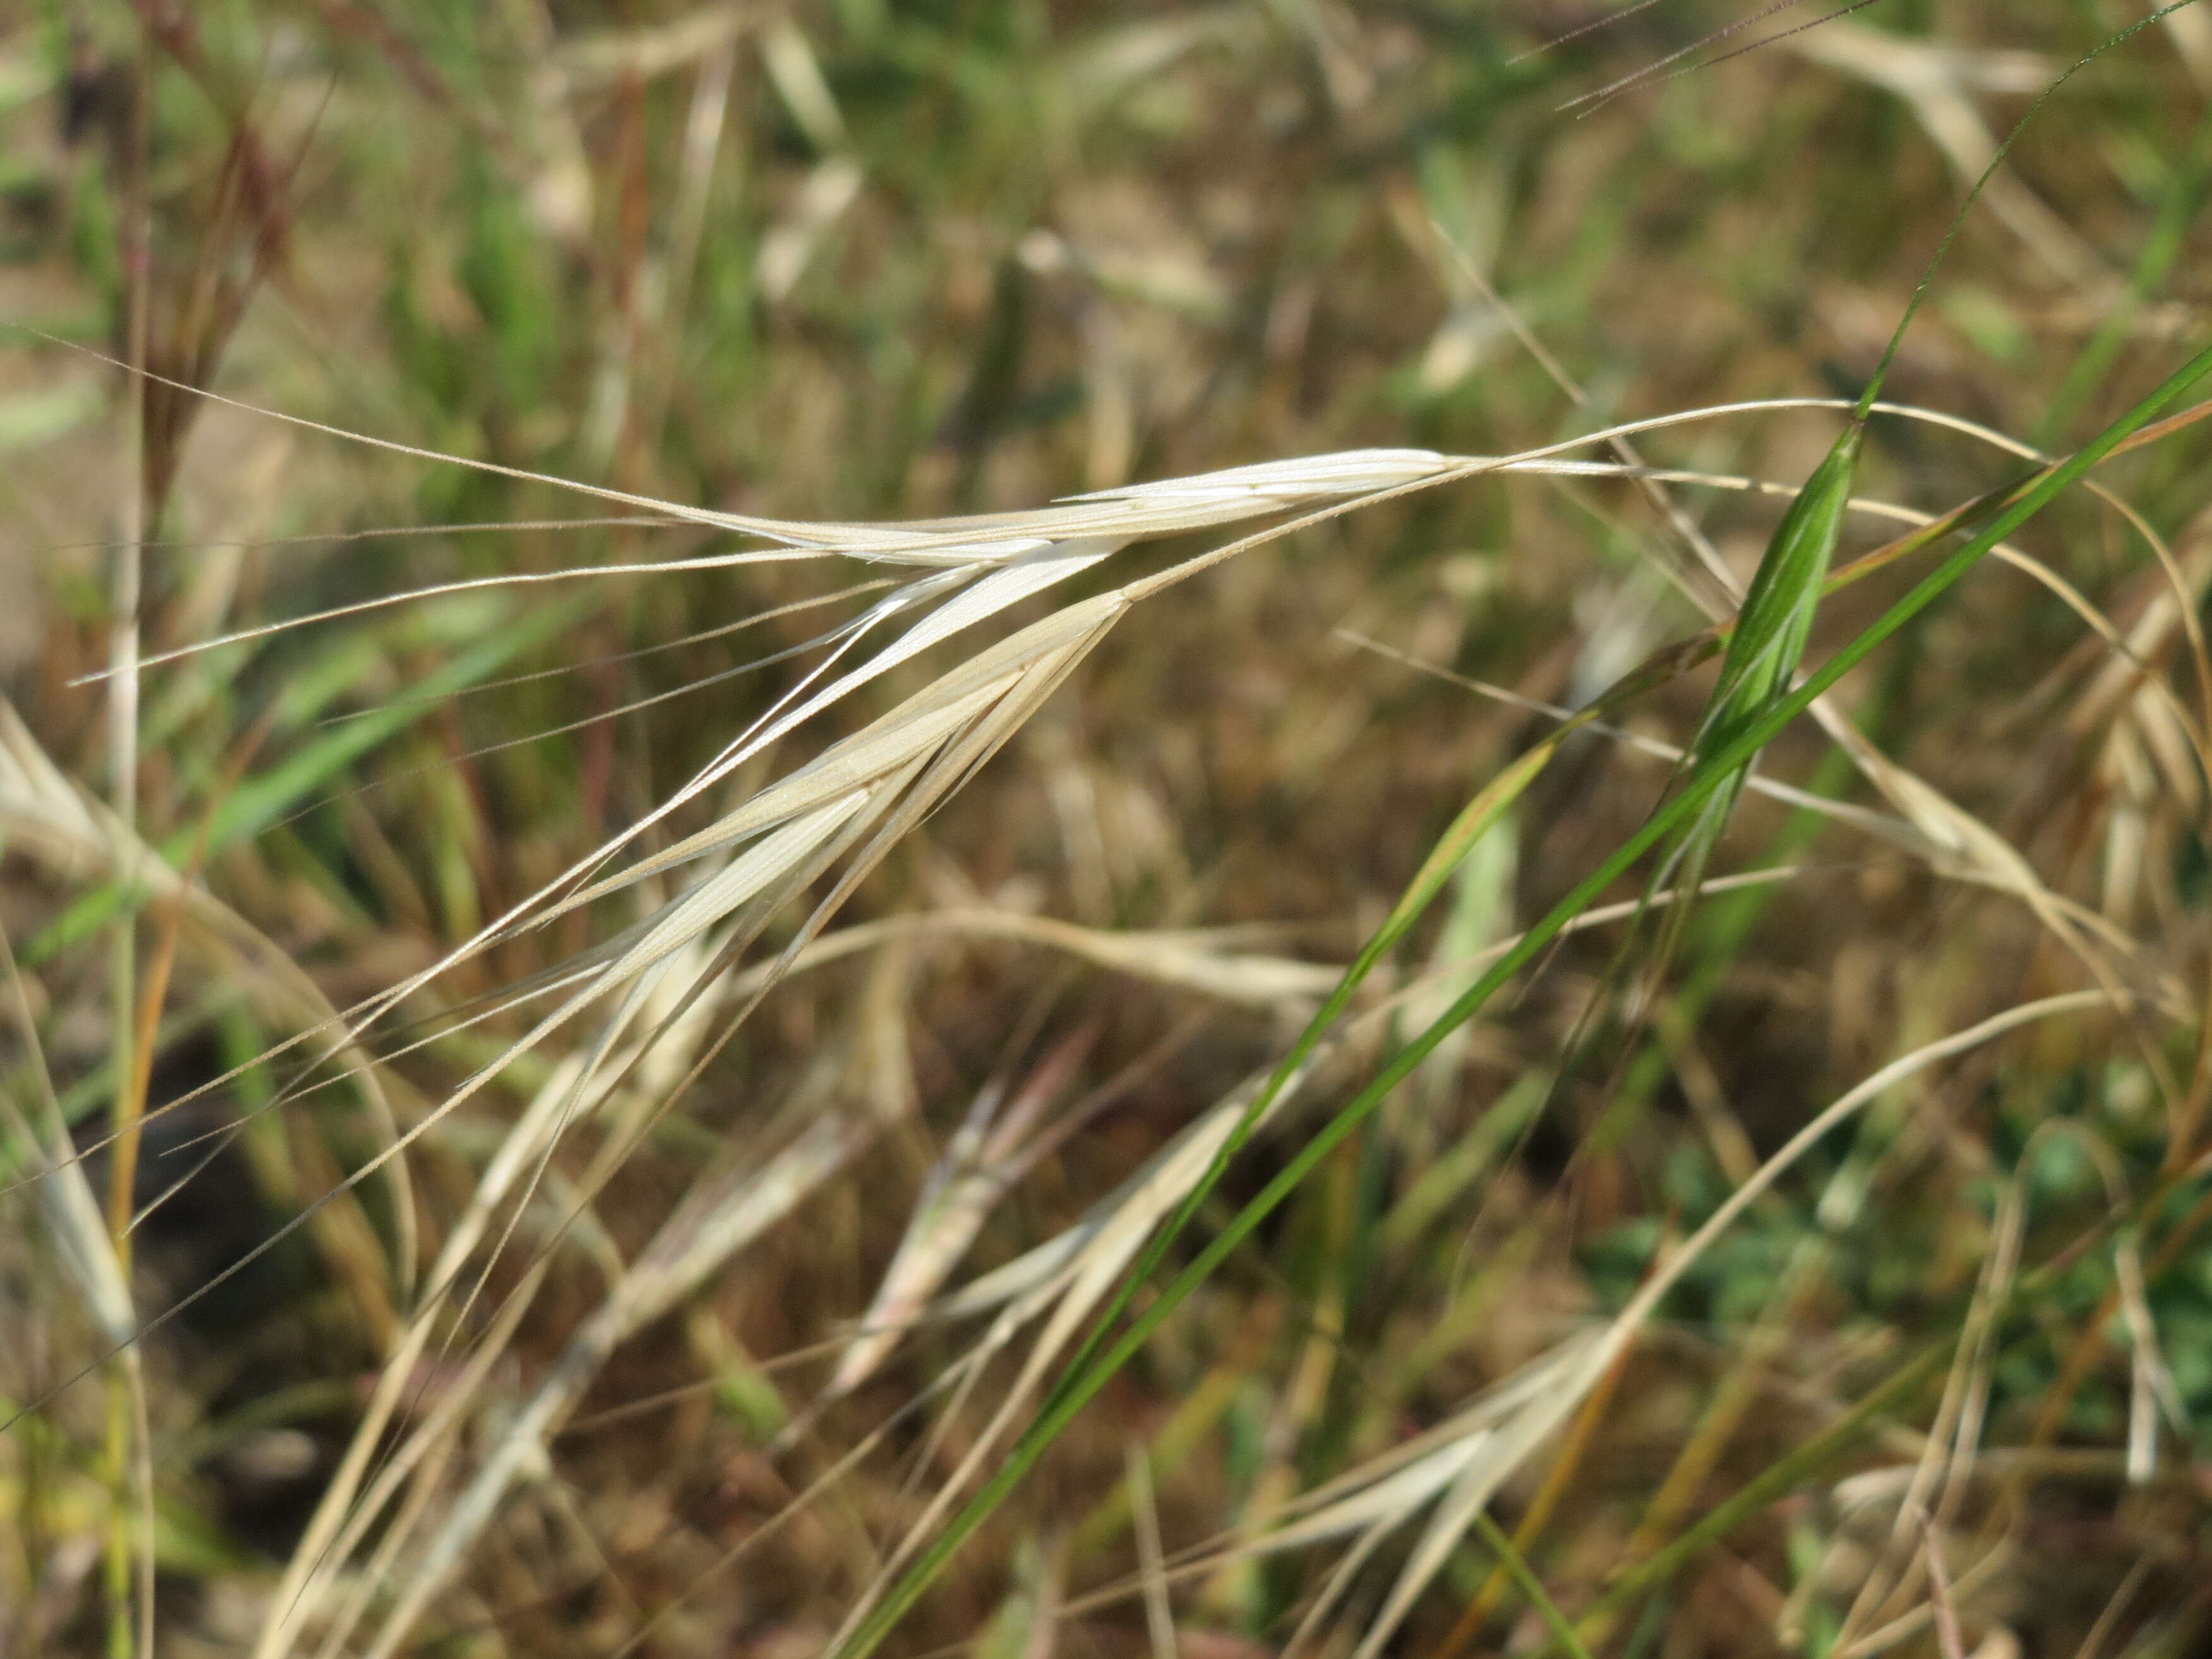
(631, 1110)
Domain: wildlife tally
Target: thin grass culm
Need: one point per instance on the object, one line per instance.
(1467, 999)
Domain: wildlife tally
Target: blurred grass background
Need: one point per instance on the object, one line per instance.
(858, 260)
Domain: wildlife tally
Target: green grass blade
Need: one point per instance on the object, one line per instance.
(1776, 618)
(1475, 820)
(1524, 1578)
(261, 801)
